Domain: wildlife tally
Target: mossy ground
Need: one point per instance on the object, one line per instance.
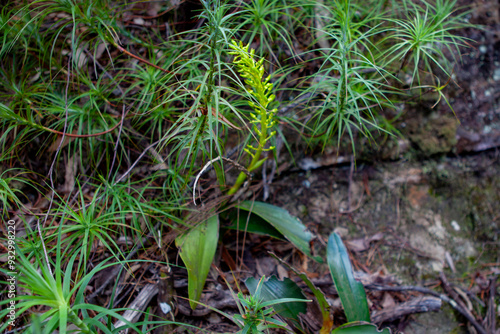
(424, 208)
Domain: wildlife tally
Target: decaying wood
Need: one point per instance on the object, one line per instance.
(138, 305)
(490, 319)
(415, 305)
(165, 300)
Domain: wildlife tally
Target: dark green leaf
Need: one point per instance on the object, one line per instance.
(245, 221)
(352, 293)
(291, 227)
(360, 327)
(273, 290)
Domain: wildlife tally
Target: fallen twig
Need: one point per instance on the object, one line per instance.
(490, 319)
(51, 170)
(138, 305)
(453, 294)
(71, 135)
(416, 305)
(141, 59)
(208, 164)
(443, 297)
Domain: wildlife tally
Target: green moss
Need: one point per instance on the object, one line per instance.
(435, 134)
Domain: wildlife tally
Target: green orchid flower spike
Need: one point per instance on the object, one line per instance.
(262, 116)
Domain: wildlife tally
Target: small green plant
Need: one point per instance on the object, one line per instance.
(63, 297)
(350, 86)
(268, 21)
(285, 296)
(84, 227)
(203, 238)
(421, 37)
(256, 316)
(268, 298)
(351, 292)
(9, 198)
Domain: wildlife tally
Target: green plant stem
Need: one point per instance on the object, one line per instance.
(261, 90)
(253, 164)
(73, 317)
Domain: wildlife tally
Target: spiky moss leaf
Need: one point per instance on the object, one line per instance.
(352, 293)
(291, 227)
(197, 250)
(273, 290)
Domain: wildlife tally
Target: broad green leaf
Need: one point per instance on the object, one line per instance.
(352, 293)
(197, 250)
(360, 327)
(273, 290)
(246, 221)
(291, 227)
(320, 297)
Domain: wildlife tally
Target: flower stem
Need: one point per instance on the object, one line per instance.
(261, 89)
(253, 164)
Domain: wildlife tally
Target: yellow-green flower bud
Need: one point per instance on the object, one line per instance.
(259, 88)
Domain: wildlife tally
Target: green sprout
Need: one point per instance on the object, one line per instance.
(261, 90)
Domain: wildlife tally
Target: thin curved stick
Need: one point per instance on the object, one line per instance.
(83, 136)
(141, 59)
(208, 164)
(51, 170)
